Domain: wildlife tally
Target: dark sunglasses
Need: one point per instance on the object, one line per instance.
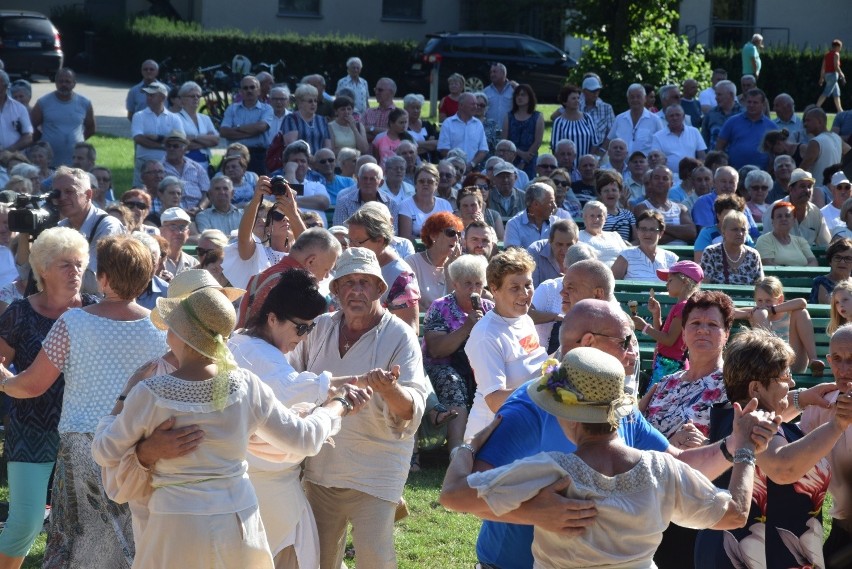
(136, 205)
(201, 251)
(276, 215)
(562, 183)
(623, 343)
(326, 161)
(301, 329)
(548, 166)
(450, 232)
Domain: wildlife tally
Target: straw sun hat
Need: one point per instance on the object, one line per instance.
(587, 387)
(187, 282)
(203, 320)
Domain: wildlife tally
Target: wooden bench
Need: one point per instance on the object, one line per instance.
(736, 292)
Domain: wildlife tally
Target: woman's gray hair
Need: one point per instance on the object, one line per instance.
(220, 177)
(352, 60)
(480, 96)
(594, 204)
(347, 154)
(758, 176)
(21, 85)
(305, 89)
(26, 182)
(468, 266)
(579, 252)
(391, 160)
(169, 181)
(413, 98)
(25, 170)
(149, 242)
(51, 244)
(375, 222)
(188, 87)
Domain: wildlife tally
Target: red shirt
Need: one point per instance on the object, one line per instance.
(828, 62)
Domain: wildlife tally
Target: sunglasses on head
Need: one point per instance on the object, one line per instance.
(276, 215)
(301, 329)
(451, 233)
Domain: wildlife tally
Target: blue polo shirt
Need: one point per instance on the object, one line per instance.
(744, 137)
(526, 429)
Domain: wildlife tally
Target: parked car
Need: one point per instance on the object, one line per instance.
(29, 44)
(527, 60)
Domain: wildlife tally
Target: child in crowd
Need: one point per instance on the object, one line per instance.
(841, 306)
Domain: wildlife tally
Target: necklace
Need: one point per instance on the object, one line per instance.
(347, 341)
(732, 261)
(310, 123)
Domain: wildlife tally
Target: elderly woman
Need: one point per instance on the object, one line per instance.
(22, 91)
(642, 263)
(503, 347)
(585, 394)
(492, 130)
(779, 247)
(369, 227)
(608, 244)
(304, 123)
(208, 389)
(839, 258)
(441, 235)
(573, 124)
(235, 167)
(447, 326)
(344, 130)
(169, 195)
(449, 105)
(139, 204)
(57, 257)
(362, 477)
(794, 477)
(414, 211)
(199, 129)
(85, 524)
(424, 133)
(347, 161)
(757, 185)
(712, 234)
(609, 186)
(471, 207)
(732, 261)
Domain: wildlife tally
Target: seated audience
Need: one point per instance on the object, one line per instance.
(221, 214)
(549, 253)
(642, 262)
(712, 234)
(780, 247)
(414, 211)
(441, 234)
(609, 188)
(732, 261)
(608, 244)
(839, 258)
(535, 222)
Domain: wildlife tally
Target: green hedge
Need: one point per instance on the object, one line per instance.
(784, 70)
(120, 49)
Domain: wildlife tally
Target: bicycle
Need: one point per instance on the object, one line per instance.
(218, 86)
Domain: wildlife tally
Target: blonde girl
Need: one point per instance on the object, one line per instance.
(841, 306)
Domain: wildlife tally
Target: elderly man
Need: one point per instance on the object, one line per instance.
(726, 107)
(725, 181)
(357, 84)
(592, 105)
(526, 429)
(808, 221)
(678, 140)
(375, 120)
(221, 214)
(465, 131)
(701, 180)
(323, 172)
(670, 95)
(549, 253)
(566, 157)
(634, 180)
(16, 129)
(751, 56)
(507, 151)
(370, 179)
(825, 148)
(680, 229)
(137, 98)
(707, 97)
(783, 169)
(504, 198)
(315, 250)
(616, 157)
(174, 226)
(479, 239)
(248, 122)
(546, 164)
(196, 182)
(689, 102)
(152, 174)
(279, 100)
(637, 124)
(786, 117)
(266, 82)
(395, 188)
(150, 127)
(533, 223)
(584, 188)
(361, 478)
(499, 94)
(74, 189)
(64, 117)
(841, 190)
(742, 134)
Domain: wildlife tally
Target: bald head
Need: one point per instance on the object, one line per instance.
(599, 324)
(584, 280)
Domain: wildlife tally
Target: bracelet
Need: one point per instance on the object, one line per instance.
(119, 398)
(725, 452)
(464, 446)
(744, 455)
(347, 405)
(795, 393)
(645, 329)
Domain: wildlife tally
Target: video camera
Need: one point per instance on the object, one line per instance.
(31, 213)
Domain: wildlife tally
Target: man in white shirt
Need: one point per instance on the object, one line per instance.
(465, 131)
(707, 97)
(678, 140)
(150, 127)
(637, 125)
(840, 189)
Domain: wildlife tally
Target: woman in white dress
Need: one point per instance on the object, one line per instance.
(203, 510)
(586, 393)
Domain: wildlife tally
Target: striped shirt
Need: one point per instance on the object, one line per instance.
(582, 133)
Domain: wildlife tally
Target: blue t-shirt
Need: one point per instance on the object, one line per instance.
(710, 235)
(526, 429)
(703, 214)
(744, 137)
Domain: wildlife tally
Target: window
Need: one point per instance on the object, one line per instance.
(402, 10)
(464, 45)
(540, 50)
(303, 8)
(502, 47)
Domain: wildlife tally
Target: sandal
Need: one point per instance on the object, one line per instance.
(443, 415)
(415, 463)
(817, 368)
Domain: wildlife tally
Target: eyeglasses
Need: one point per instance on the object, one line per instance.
(326, 161)
(359, 243)
(201, 251)
(481, 105)
(248, 87)
(445, 176)
(136, 205)
(762, 188)
(844, 186)
(312, 224)
(842, 259)
(452, 233)
(648, 229)
(301, 329)
(179, 228)
(562, 183)
(623, 343)
(193, 96)
(548, 166)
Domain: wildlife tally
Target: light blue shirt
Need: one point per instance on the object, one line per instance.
(238, 114)
(521, 232)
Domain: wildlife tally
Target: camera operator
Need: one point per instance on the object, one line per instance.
(73, 189)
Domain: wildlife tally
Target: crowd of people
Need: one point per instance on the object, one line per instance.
(367, 284)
